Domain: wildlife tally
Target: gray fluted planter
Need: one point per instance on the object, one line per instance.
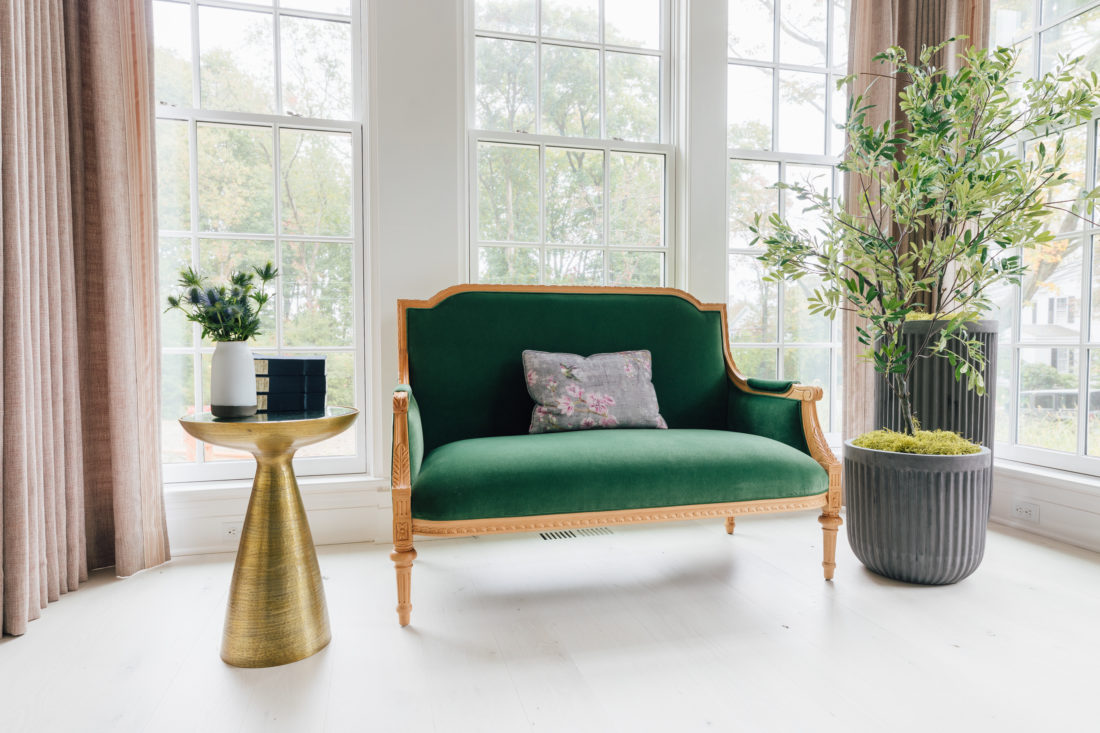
(940, 402)
(920, 519)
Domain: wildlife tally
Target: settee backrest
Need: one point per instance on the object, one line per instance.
(461, 352)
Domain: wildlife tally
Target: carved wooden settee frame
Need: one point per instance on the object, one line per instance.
(405, 526)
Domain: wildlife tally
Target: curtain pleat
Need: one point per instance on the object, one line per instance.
(875, 26)
(113, 159)
(79, 412)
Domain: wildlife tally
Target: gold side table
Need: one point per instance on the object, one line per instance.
(276, 612)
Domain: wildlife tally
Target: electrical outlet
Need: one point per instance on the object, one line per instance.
(231, 531)
(1026, 511)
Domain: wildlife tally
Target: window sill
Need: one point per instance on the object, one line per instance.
(1054, 477)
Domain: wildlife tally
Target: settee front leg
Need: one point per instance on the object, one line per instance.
(403, 553)
(403, 562)
(829, 525)
(730, 521)
(831, 521)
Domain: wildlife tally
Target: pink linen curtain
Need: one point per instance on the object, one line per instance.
(78, 296)
(875, 26)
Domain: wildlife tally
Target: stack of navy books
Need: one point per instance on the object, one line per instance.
(290, 383)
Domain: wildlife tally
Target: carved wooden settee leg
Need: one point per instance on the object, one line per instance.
(403, 553)
(829, 525)
(729, 524)
(403, 562)
(819, 449)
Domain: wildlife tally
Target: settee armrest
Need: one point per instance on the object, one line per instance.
(408, 437)
(783, 411)
(775, 386)
(763, 407)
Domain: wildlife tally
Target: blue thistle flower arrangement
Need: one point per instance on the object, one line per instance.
(229, 312)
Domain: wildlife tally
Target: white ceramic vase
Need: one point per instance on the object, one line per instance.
(232, 380)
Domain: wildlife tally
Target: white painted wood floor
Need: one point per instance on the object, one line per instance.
(674, 627)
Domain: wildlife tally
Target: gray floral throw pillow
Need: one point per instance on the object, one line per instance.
(601, 391)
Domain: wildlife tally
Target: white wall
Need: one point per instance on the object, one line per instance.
(418, 201)
(701, 122)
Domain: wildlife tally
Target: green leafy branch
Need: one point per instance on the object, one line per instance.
(941, 206)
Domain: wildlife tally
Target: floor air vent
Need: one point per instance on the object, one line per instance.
(566, 534)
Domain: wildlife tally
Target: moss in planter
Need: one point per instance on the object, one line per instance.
(922, 316)
(925, 442)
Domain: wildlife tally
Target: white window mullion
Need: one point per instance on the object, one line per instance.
(668, 217)
(542, 213)
(538, 72)
(1088, 266)
(829, 86)
(664, 133)
(606, 194)
(196, 76)
(196, 255)
(781, 350)
(472, 195)
(277, 206)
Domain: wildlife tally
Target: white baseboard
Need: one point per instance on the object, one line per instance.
(340, 510)
(1069, 503)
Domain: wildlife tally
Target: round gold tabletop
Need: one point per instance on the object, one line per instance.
(270, 432)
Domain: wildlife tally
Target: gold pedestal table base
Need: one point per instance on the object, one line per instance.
(276, 612)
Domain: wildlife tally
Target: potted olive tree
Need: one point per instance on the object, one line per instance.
(943, 208)
(229, 315)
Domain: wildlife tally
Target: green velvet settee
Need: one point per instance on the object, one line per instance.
(464, 464)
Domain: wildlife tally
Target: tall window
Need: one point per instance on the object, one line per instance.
(569, 129)
(782, 109)
(1048, 370)
(259, 149)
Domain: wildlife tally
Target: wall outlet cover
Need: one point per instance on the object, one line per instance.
(1026, 511)
(231, 531)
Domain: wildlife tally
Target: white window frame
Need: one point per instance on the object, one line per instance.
(1086, 343)
(828, 160)
(178, 475)
(476, 136)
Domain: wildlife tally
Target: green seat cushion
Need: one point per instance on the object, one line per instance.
(604, 470)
